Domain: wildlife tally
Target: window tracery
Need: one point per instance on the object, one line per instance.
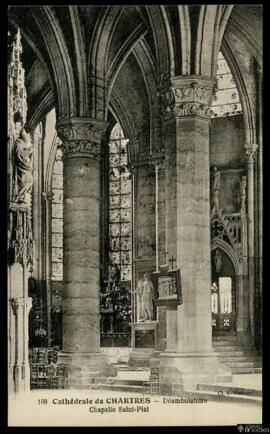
(227, 101)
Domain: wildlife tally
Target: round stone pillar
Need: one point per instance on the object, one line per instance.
(81, 139)
(186, 113)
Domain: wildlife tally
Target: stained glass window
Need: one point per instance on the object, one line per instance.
(227, 102)
(119, 204)
(57, 218)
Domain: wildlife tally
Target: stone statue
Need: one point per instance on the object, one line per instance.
(114, 276)
(243, 193)
(218, 261)
(216, 185)
(216, 179)
(145, 292)
(23, 150)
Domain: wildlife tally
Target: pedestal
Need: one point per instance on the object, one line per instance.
(83, 368)
(144, 342)
(183, 371)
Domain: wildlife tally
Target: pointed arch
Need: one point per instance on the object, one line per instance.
(61, 64)
(97, 59)
(211, 26)
(162, 38)
(185, 38)
(80, 55)
(226, 248)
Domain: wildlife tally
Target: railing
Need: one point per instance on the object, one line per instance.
(44, 372)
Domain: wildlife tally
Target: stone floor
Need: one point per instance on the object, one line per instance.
(249, 381)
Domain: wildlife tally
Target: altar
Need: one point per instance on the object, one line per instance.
(144, 334)
(143, 342)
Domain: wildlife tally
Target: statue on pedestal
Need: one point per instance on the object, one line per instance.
(218, 260)
(114, 277)
(23, 150)
(216, 186)
(145, 292)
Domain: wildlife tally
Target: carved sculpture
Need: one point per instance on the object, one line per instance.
(145, 292)
(23, 163)
(218, 261)
(216, 186)
(186, 98)
(243, 193)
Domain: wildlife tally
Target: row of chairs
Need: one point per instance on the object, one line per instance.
(48, 376)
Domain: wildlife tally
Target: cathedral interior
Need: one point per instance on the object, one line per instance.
(134, 193)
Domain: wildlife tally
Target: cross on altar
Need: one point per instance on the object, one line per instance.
(172, 260)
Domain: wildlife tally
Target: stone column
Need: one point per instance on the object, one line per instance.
(47, 198)
(242, 322)
(21, 372)
(250, 150)
(186, 112)
(81, 139)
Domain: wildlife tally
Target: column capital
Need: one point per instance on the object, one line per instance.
(187, 96)
(158, 161)
(47, 195)
(16, 303)
(81, 137)
(250, 152)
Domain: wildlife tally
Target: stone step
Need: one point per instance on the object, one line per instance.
(239, 359)
(235, 343)
(78, 386)
(123, 388)
(258, 370)
(214, 396)
(243, 370)
(240, 364)
(120, 381)
(224, 333)
(230, 390)
(226, 352)
(231, 348)
(225, 338)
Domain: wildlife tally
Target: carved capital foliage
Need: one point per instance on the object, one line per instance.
(47, 195)
(250, 152)
(16, 303)
(81, 137)
(20, 237)
(187, 96)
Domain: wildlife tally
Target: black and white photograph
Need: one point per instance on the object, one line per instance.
(135, 215)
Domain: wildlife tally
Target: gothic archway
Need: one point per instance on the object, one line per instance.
(223, 287)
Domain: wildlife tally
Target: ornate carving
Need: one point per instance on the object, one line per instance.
(189, 96)
(81, 136)
(243, 194)
(48, 195)
(20, 238)
(23, 168)
(216, 186)
(16, 303)
(81, 147)
(250, 152)
(16, 87)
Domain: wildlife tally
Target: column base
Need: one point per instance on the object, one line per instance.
(183, 371)
(241, 325)
(84, 368)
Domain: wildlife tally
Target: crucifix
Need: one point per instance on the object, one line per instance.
(172, 260)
